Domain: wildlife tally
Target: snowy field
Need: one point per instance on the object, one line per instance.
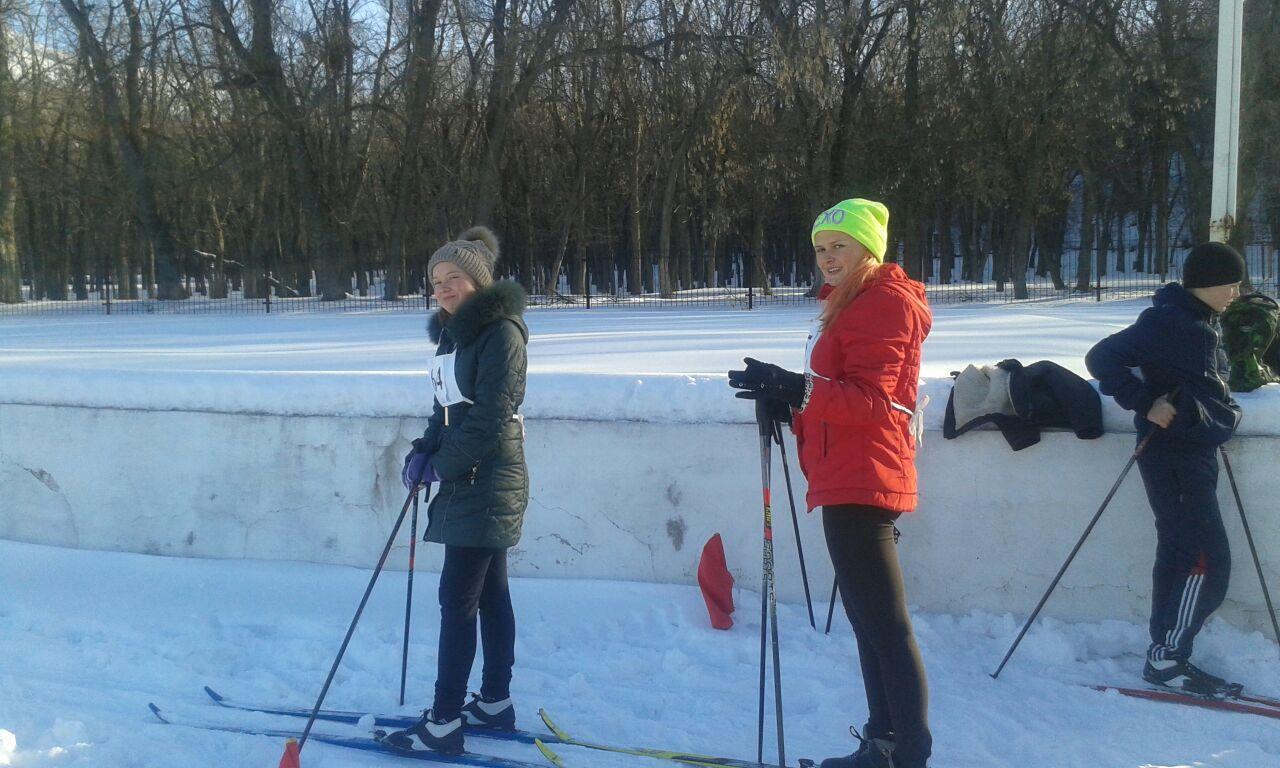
(651, 365)
(358, 349)
(88, 639)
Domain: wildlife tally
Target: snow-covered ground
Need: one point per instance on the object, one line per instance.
(87, 639)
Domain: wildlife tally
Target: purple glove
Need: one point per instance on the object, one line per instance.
(418, 470)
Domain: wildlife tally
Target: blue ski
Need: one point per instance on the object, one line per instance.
(392, 722)
(365, 743)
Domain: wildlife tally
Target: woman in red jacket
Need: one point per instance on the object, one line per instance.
(854, 416)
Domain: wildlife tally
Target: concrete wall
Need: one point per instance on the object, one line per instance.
(610, 500)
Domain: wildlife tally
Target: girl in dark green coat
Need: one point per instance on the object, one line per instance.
(474, 447)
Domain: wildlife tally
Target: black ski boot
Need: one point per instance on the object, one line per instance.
(1181, 675)
(428, 735)
(872, 753)
(496, 715)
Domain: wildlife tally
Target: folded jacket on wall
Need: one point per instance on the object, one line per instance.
(1021, 400)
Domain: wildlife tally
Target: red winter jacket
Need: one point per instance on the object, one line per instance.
(855, 446)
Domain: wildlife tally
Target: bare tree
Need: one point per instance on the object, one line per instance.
(123, 119)
(10, 276)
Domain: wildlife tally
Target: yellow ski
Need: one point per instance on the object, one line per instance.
(706, 761)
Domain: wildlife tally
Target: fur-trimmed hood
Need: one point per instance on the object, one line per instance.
(504, 300)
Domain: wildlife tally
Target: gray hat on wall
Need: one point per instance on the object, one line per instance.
(475, 252)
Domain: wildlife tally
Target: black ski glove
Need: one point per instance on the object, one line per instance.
(766, 380)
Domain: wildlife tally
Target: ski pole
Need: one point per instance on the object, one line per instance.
(1253, 549)
(359, 610)
(795, 521)
(768, 597)
(1098, 515)
(408, 597)
(831, 609)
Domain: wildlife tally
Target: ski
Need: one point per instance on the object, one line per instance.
(393, 722)
(368, 744)
(540, 740)
(708, 761)
(1251, 705)
(1265, 701)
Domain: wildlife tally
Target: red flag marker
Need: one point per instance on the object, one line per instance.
(292, 757)
(716, 583)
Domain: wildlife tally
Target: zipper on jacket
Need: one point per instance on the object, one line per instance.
(444, 524)
(1213, 362)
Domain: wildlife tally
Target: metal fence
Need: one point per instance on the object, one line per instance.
(1118, 276)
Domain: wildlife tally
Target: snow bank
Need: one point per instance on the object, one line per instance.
(609, 500)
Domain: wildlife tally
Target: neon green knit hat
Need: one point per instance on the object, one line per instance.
(864, 220)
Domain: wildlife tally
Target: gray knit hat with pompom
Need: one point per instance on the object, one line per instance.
(475, 252)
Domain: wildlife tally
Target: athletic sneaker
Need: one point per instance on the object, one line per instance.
(428, 735)
(1182, 675)
(498, 715)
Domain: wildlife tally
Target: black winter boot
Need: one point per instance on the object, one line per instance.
(872, 753)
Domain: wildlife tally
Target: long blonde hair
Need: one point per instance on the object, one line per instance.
(843, 294)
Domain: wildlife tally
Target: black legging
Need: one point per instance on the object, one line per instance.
(861, 542)
(473, 579)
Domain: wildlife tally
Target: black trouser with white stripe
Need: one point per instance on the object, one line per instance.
(1193, 558)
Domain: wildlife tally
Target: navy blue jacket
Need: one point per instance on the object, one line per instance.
(1175, 343)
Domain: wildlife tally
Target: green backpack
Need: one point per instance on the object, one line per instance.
(1249, 330)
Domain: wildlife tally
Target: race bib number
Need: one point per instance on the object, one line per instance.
(445, 382)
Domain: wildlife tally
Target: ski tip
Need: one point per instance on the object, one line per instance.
(214, 695)
(156, 711)
(551, 726)
(548, 753)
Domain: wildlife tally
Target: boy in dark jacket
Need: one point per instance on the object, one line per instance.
(1181, 387)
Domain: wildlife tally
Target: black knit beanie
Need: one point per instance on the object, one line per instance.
(1212, 264)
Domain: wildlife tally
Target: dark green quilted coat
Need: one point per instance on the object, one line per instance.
(478, 447)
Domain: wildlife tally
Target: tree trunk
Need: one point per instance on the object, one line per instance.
(1021, 237)
(635, 275)
(1088, 223)
(10, 276)
(127, 133)
(946, 243)
(667, 214)
(507, 94)
(759, 269)
(1141, 262)
(1161, 266)
(419, 83)
(709, 258)
(684, 264)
